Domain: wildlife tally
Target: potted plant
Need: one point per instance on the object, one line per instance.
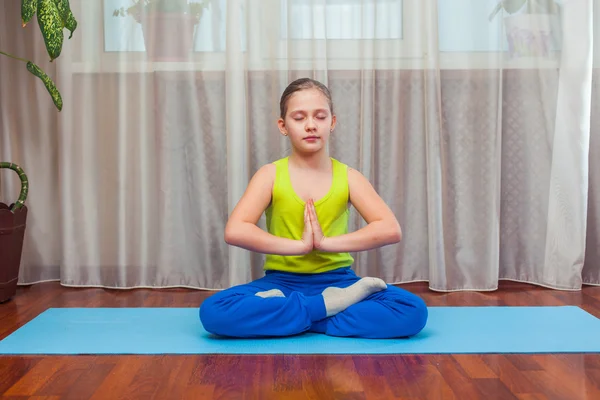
(167, 26)
(531, 26)
(13, 220)
(53, 17)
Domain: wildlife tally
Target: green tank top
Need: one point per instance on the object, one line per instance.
(285, 218)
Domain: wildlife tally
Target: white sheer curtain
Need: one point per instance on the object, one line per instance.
(486, 148)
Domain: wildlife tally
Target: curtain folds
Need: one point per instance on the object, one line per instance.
(485, 146)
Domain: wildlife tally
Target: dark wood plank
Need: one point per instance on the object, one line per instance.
(64, 379)
(509, 375)
(86, 383)
(38, 376)
(458, 380)
(12, 369)
(119, 382)
(493, 388)
(475, 367)
(432, 384)
(488, 376)
(523, 362)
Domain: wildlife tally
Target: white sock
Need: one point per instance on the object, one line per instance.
(270, 293)
(338, 299)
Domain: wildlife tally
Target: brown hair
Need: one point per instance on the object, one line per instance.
(303, 84)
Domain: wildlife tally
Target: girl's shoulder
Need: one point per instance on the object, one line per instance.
(266, 173)
(347, 168)
(339, 163)
(279, 162)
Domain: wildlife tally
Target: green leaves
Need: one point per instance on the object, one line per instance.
(24, 184)
(53, 17)
(510, 6)
(51, 25)
(64, 10)
(37, 71)
(533, 7)
(28, 9)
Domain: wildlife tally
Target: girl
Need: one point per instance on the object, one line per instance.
(309, 285)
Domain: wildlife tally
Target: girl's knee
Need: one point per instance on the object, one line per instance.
(412, 314)
(207, 314)
(212, 316)
(418, 315)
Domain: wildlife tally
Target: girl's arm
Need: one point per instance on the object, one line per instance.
(382, 226)
(241, 229)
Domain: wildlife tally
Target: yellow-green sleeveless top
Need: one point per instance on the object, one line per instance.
(285, 218)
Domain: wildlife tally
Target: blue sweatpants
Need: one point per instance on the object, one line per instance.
(238, 312)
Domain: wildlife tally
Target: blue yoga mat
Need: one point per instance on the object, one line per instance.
(178, 331)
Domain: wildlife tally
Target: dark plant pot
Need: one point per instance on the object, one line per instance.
(168, 36)
(13, 220)
(12, 233)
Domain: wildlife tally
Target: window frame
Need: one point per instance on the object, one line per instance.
(342, 54)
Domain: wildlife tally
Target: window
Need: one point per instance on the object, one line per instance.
(124, 34)
(349, 34)
(280, 30)
(341, 19)
(299, 19)
(464, 26)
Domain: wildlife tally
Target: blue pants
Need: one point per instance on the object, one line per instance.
(238, 312)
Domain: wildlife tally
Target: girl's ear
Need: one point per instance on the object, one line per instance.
(281, 125)
(333, 122)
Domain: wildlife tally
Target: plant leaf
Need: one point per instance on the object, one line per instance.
(24, 184)
(66, 15)
(28, 9)
(71, 23)
(51, 26)
(512, 6)
(37, 71)
(495, 11)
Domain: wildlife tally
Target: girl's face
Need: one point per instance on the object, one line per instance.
(308, 121)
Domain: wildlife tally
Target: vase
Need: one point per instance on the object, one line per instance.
(168, 37)
(531, 35)
(13, 220)
(12, 233)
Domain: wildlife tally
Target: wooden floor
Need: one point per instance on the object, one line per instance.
(570, 377)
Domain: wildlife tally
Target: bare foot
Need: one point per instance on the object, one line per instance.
(338, 299)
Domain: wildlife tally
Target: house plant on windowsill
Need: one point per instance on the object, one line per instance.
(53, 16)
(532, 26)
(167, 25)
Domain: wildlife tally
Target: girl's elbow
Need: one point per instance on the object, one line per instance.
(395, 233)
(230, 236)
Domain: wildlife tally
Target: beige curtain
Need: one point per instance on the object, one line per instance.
(478, 134)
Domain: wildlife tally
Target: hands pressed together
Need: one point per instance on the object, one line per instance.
(312, 237)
